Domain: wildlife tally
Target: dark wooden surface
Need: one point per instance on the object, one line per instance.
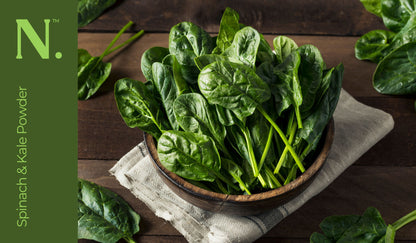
(384, 177)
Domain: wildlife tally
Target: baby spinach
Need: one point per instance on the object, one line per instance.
(396, 73)
(372, 6)
(92, 71)
(166, 86)
(371, 45)
(150, 56)
(194, 114)
(187, 41)
(229, 25)
(283, 46)
(370, 227)
(393, 51)
(88, 10)
(104, 216)
(138, 108)
(244, 46)
(216, 105)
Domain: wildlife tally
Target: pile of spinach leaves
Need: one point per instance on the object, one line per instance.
(368, 228)
(394, 51)
(92, 71)
(104, 216)
(229, 113)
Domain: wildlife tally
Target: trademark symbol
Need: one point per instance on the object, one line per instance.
(55, 21)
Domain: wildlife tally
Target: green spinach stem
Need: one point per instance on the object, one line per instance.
(298, 117)
(274, 179)
(221, 187)
(224, 179)
(282, 136)
(283, 155)
(129, 239)
(137, 35)
(253, 161)
(267, 148)
(115, 39)
(405, 220)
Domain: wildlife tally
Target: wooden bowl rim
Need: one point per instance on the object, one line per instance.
(203, 193)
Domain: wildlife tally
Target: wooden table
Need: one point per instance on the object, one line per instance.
(385, 177)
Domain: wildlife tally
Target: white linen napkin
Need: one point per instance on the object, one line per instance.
(357, 128)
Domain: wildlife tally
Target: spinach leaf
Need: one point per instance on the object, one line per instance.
(91, 76)
(187, 41)
(264, 53)
(314, 124)
(138, 108)
(283, 46)
(406, 35)
(334, 226)
(368, 228)
(88, 10)
(236, 172)
(396, 73)
(195, 115)
(228, 27)
(244, 46)
(396, 13)
(288, 84)
(103, 215)
(205, 60)
(226, 116)
(83, 57)
(233, 86)
(150, 56)
(189, 155)
(310, 75)
(166, 86)
(92, 71)
(372, 6)
(371, 45)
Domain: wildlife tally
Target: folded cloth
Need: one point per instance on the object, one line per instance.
(357, 128)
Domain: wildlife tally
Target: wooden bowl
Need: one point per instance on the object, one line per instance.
(241, 204)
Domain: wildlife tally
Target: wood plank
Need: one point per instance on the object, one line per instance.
(102, 133)
(389, 189)
(317, 17)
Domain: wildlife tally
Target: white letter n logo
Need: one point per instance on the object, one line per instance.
(41, 48)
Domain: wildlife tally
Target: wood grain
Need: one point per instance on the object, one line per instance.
(390, 189)
(317, 17)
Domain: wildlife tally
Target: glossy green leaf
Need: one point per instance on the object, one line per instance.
(396, 73)
(310, 75)
(205, 60)
(288, 84)
(83, 57)
(315, 123)
(264, 53)
(104, 216)
(190, 155)
(138, 108)
(88, 10)
(319, 238)
(195, 115)
(150, 56)
(406, 35)
(372, 6)
(334, 227)
(396, 13)
(187, 41)
(166, 86)
(233, 86)
(91, 75)
(371, 45)
(245, 46)
(226, 116)
(283, 46)
(369, 228)
(228, 27)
